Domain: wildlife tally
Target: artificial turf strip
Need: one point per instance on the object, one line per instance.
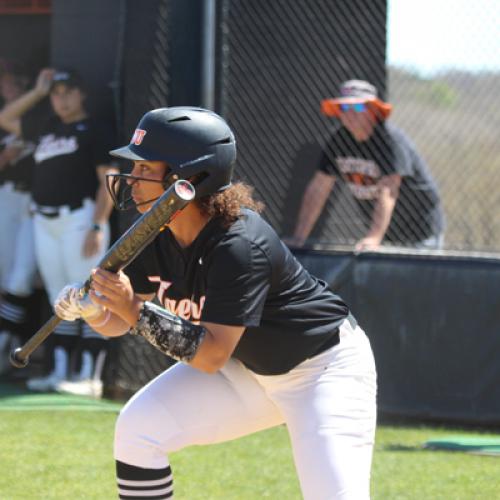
(13, 398)
(485, 445)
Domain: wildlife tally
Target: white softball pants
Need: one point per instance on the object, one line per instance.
(59, 244)
(17, 256)
(58, 248)
(328, 404)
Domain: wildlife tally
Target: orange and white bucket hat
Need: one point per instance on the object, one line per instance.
(356, 92)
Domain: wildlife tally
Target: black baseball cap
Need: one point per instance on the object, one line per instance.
(68, 77)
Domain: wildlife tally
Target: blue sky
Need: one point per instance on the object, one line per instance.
(429, 35)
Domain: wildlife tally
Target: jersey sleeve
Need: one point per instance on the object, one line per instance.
(400, 147)
(327, 163)
(238, 280)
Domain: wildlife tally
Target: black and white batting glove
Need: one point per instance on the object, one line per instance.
(73, 303)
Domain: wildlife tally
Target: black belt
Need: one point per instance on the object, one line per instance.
(330, 342)
(17, 185)
(52, 212)
(335, 338)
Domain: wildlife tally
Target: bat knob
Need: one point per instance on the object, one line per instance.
(16, 360)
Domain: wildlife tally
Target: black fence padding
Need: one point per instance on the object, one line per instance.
(433, 322)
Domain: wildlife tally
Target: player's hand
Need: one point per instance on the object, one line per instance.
(94, 241)
(9, 155)
(368, 243)
(114, 292)
(72, 303)
(44, 81)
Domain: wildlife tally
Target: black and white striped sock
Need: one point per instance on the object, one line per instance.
(137, 483)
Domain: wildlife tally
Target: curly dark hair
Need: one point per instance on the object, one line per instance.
(228, 203)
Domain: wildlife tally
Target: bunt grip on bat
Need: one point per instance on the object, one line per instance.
(121, 253)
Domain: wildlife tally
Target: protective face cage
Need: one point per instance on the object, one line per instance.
(195, 143)
(119, 187)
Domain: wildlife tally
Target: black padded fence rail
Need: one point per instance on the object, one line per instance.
(433, 322)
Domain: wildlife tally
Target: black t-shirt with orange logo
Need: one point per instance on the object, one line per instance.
(417, 214)
(243, 276)
(66, 156)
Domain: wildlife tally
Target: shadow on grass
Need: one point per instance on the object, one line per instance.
(402, 447)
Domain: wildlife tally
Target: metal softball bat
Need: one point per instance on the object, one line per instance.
(121, 253)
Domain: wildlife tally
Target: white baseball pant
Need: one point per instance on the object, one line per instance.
(58, 248)
(17, 257)
(328, 404)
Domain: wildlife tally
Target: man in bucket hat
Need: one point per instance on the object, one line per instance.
(388, 179)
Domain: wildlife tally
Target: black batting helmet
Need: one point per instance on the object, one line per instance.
(195, 143)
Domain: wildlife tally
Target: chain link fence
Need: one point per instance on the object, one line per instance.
(446, 99)
(280, 59)
(133, 361)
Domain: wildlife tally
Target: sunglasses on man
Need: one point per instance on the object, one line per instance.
(358, 107)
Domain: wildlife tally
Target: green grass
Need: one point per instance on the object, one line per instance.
(68, 455)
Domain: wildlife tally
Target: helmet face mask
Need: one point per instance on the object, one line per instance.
(196, 144)
(119, 187)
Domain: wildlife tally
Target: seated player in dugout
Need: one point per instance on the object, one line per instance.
(260, 342)
(390, 182)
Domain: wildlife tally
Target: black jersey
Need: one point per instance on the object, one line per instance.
(244, 276)
(66, 157)
(417, 214)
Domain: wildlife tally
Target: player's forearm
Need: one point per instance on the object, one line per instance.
(313, 202)
(7, 156)
(308, 215)
(12, 112)
(103, 205)
(382, 215)
(109, 324)
(209, 357)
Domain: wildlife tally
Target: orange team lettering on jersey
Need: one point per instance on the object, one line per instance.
(184, 308)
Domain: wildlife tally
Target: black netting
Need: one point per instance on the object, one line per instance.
(146, 62)
(278, 60)
(133, 362)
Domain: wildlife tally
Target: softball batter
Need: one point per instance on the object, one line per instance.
(260, 341)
